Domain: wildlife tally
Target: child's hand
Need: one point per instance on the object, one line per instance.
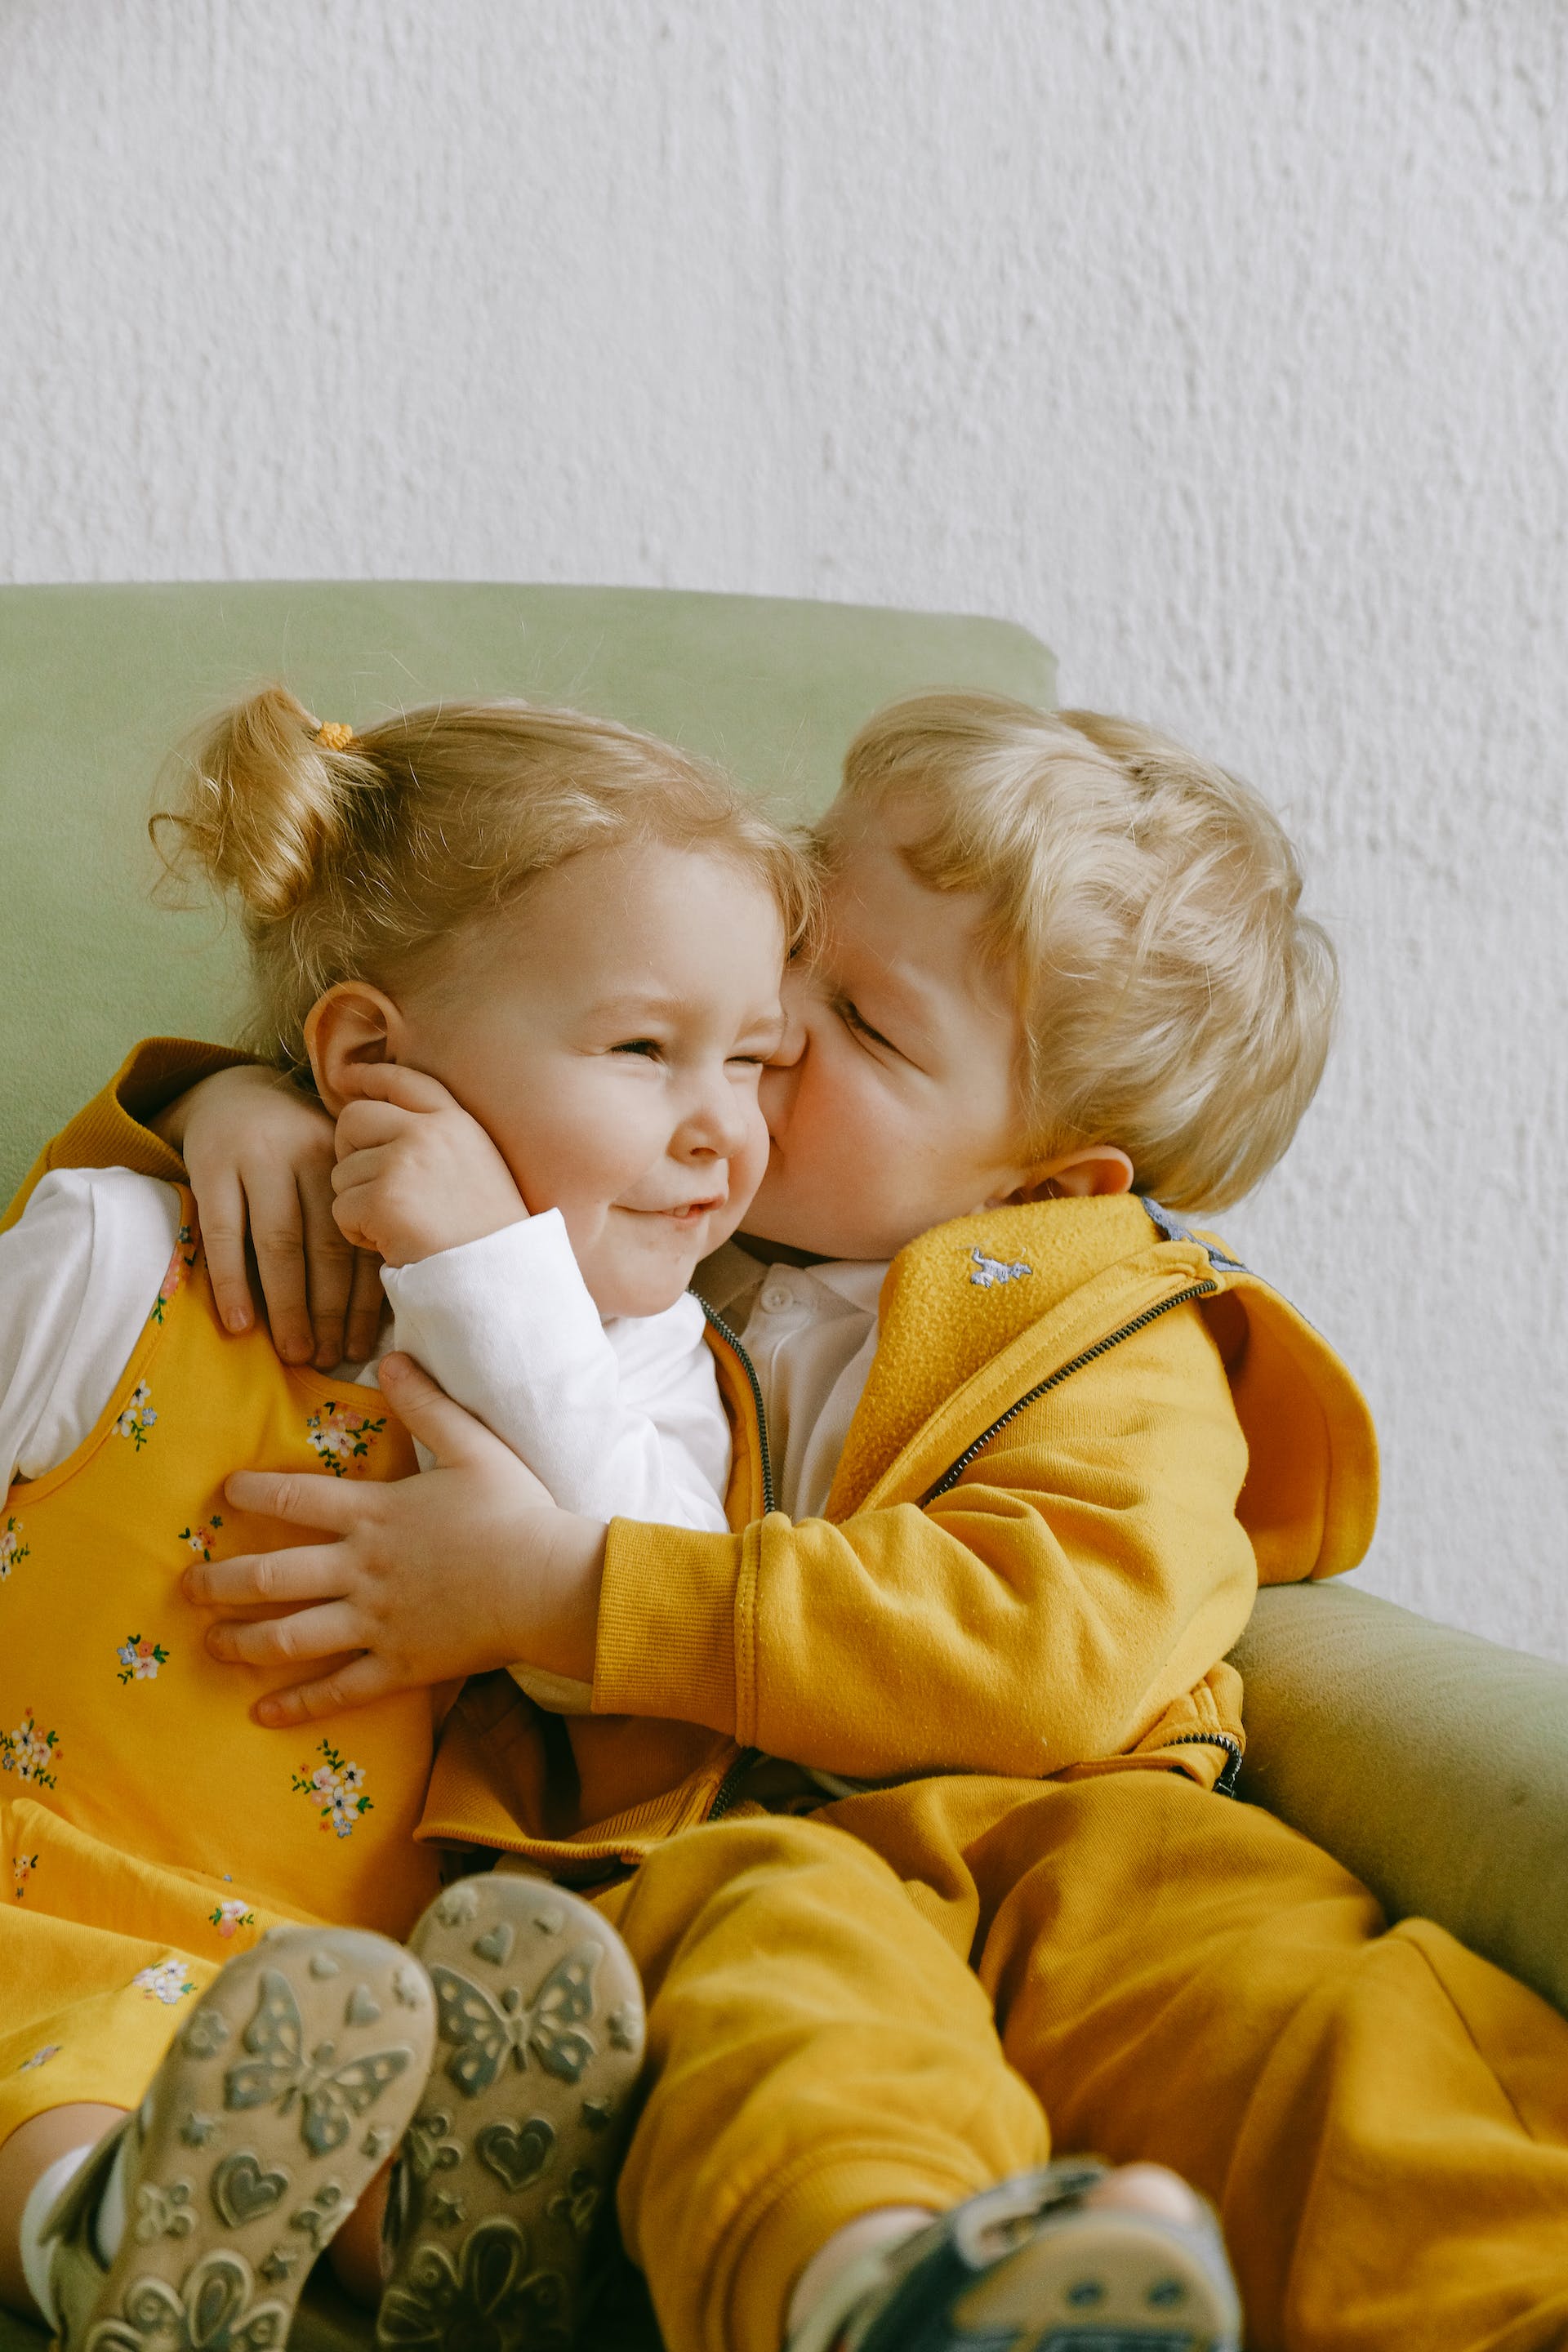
(467, 1568)
(416, 1174)
(260, 1155)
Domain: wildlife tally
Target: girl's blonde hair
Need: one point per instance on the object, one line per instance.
(1175, 1000)
(360, 855)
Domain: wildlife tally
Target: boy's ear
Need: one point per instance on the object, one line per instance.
(351, 1024)
(1098, 1169)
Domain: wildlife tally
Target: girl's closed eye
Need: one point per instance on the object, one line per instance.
(648, 1047)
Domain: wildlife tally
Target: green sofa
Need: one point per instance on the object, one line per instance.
(1435, 1765)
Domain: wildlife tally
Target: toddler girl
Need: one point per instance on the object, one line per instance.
(533, 961)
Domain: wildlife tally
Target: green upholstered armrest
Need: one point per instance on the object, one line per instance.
(98, 684)
(1434, 1765)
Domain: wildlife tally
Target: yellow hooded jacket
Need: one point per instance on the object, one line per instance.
(1088, 1434)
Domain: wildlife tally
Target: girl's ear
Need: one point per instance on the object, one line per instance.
(351, 1024)
(1099, 1168)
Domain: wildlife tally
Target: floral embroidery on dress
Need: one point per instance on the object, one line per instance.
(202, 1537)
(136, 1421)
(167, 1982)
(139, 1660)
(180, 1265)
(341, 1435)
(29, 1752)
(334, 1788)
(230, 1915)
(22, 1868)
(41, 2057)
(12, 1548)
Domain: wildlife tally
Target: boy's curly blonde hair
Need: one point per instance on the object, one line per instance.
(1175, 1000)
(360, 856)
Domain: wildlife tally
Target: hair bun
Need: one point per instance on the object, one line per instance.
(264, 801)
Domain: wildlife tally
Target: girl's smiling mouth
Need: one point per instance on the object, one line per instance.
(683, 1212)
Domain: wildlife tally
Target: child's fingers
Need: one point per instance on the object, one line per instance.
(363, 1167)
(429, 1413)
(277, 1238)
(324, 1631)
(303, 1497)
(220, 1205)
(363, 1125)
(329, 1263)
(254, 1579)
(361, 1214)
(355, 1684)
(366, 1299)
(389, 1082)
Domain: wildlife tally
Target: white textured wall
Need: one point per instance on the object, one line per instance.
(1222, 341)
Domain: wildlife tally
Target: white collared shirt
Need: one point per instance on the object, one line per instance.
(811, 1334)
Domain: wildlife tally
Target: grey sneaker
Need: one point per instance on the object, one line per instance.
(1029, 2267)
(281, 2099)
(506, 2165)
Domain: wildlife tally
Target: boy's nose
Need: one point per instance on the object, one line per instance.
(792, 1045)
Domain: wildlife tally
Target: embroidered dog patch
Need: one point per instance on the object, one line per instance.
(988, 1271)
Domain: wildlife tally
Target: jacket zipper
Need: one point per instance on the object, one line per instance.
(1226, 1784)
(747, 1366)
(728, 1791)
(1064, 1371)
(729, 1788)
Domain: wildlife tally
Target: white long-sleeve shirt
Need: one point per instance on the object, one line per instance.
(620, 1419)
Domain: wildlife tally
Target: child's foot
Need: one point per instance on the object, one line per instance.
(1072, 2258)
(508, 2161)
(197, 2222)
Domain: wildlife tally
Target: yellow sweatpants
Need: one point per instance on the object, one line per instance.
(882, 2004)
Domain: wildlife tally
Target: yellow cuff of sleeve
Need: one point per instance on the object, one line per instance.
(668, 1618)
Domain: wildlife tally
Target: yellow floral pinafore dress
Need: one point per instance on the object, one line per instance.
(149, 1829)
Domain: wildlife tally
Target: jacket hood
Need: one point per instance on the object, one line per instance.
(975, 1313)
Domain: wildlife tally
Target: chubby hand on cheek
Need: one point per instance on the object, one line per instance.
(467, 1567)
(415, 1173)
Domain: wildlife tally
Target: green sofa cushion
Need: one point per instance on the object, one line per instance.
(98, 684)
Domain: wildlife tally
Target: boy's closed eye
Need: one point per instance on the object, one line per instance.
(854, 1019)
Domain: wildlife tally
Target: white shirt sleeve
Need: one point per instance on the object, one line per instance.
(621, 1420)
(79, 1274)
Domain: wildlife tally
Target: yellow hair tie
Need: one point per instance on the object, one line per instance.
(335, 736)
